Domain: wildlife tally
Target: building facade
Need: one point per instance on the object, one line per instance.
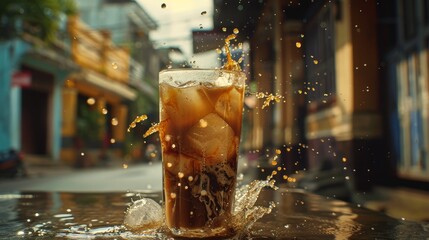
(31, 90)
(353, 76)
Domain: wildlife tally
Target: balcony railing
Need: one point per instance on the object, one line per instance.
(94, 49)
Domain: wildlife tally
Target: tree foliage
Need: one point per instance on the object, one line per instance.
(40, 18)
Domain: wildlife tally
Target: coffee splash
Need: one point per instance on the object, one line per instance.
(231, 64)
(141, 218)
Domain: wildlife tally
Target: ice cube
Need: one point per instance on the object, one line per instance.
(230, 106)
(184, 106)
(144, 215)
(211, 139)
(180, 164)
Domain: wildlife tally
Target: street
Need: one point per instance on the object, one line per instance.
(136, 177)
(112, 179)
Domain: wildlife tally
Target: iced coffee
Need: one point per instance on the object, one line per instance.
(201, 114)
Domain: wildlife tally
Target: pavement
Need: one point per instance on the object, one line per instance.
(138, 177)
(117, 177)
(112, 177)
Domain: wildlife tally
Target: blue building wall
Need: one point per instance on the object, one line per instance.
(10, 54)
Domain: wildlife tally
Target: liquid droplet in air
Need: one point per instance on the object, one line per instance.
(137, 120)
(235, 31)
(114, 65)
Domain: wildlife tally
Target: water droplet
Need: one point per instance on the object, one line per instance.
(298, 44)
(180, 175)
(224, 29)
(169, 165)
(315, 61)
(203, 13)
(114, 65)
(203, 192)
(235, 31)
(173, 195)
(114, 122)
(124, 166)
(163, 5)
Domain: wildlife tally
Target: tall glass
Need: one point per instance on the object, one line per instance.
(201, 115)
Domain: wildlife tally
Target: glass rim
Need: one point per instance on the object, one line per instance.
(200, 69)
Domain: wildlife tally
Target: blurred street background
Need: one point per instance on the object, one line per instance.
(352, 122)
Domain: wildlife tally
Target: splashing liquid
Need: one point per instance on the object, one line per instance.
(268, 98)
(138, 119)
(245, 213)
(230, 63)
(235, 66)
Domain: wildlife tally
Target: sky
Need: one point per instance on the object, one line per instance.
(176, 21)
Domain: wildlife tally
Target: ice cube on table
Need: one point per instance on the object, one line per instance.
(144, 215)
(229, 106)
(211, 139)
(183, 106)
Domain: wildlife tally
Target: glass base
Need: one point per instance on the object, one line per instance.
(203, 232)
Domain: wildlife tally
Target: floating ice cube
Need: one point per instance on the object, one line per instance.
(211, 139)
(184, 106)
(144, 215)
(229, 106)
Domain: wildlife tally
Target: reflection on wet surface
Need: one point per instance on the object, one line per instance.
(298, 215)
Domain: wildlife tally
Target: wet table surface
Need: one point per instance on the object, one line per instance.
(298, 215)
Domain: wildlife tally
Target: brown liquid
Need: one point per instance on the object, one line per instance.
(200, 136)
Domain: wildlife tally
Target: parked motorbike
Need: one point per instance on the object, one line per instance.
(11, 164)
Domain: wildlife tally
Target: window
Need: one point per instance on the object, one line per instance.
(320, 54)
(409, 21)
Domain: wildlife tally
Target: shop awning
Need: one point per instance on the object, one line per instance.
(96, 84)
